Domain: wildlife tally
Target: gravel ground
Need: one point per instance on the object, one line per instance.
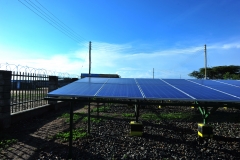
(109, 139)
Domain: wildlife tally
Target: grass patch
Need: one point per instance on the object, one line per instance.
(101, 109)
(128, 115)
(175, 115)
(94, 120)
(77, 134)
(67, 117)
(114, 115)
(6, 143)
(152, 116)
(107, 116)
(77, 116)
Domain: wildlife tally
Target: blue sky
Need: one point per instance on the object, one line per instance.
(129, 38)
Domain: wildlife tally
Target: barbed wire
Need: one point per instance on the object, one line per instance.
(27, 69)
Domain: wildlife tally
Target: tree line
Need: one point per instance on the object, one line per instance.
(218, 72)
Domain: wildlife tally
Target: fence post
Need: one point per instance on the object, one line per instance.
(5, 96)
(52, 85)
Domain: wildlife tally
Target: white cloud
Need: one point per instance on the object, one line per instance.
(224, 45)
(110, 58)
(120, 59)
(16, 60)
(231, 45)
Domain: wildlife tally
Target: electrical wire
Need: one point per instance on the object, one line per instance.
(39, 12)
(62, 22)
(51, 19)
(47, 21)
(59, 22)
(54, 22)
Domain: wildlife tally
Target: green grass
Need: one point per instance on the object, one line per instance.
(152, 116)
(107, 115)
(6, 143)
(77, 116)
(128, 115)
(67, 117)
(77, 134)
(175, 115)
(114, 115)
(101, 109)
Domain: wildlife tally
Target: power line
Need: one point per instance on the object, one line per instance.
(54, 22)
(50, 18)
(58, 21)
(46, 17)
(46, 20)
(61, 21)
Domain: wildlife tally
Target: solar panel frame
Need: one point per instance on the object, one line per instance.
(229, 82)
(157, 89)
(123, 91)
(77, 89)
(221, 87)
(92, 80)
(125, 81)
(148, 89)
(201, 93)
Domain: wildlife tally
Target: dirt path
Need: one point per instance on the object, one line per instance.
(35, 135)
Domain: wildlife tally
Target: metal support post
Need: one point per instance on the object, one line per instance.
(206, 113)
(88, 116)
(90, 48)
(137, 111)
(153, 73)
(205, 49)
(97, 109)
(71, 128)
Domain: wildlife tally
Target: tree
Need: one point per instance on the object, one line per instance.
(218, 72)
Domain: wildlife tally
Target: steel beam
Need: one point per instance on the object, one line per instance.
(70, 131)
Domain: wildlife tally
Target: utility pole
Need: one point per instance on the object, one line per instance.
(153, 73)
(205, 49)
(90, 47)
(89, 103)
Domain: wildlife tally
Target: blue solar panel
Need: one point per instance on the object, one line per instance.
(200, 92)
(158, 89)
(143, 81)
(120, 91)
(230, 82)
(121, 81)
(76, 89)
(93, 80)
(222, 87)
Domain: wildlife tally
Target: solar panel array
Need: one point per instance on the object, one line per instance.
(153, 89)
